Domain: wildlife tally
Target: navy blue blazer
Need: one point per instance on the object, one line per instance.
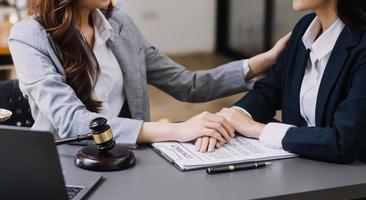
(340, 132)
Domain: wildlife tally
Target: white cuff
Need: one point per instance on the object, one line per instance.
(246, 68)
(273, 133)
(242, 110)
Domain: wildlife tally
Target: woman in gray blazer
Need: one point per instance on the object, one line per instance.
(76, 61)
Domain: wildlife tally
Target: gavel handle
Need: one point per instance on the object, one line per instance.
(78, 138)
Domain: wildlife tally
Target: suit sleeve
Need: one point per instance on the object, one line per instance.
(263, 101)
(342, 141)
(187, 85)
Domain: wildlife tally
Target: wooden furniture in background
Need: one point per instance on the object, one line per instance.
(4, 50)
(5, 28)
(5, 57)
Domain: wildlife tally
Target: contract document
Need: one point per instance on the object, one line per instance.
(239, 150)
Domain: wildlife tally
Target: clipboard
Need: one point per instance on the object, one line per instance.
(187, 159)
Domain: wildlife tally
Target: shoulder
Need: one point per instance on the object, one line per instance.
(121, 21)
(29, 28)
(121, 17)
(30, 32)
(299, 30)
(358, 38)
(303, 24)
(359, 52)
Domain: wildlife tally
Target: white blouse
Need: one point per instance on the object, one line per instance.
(109, 85)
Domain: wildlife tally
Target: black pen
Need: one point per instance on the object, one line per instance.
(237, 167)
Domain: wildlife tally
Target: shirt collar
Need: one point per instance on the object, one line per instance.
(102, 28)
(325, 43)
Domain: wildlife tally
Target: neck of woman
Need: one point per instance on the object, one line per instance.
(83, 21)
(84, 26)
(327, 14)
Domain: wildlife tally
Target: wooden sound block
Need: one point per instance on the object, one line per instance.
(117, 158)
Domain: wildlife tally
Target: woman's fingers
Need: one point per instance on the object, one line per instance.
(225, 124)
(219, 128)
(230, 128)
(198, 144)
(212, 144)
(286, 37)
(281, 44)
(204, 144)
(221, 122)
(213, 133)
(207, 144)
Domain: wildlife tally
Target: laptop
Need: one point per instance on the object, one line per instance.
(30, 168)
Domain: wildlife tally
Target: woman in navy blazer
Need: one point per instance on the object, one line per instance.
(339, 133)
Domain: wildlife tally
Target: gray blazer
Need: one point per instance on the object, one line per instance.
(56, 108)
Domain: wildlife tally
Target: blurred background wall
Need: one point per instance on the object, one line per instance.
(181, 27)
(176, 26)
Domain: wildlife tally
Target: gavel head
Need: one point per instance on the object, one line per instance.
(102, 134)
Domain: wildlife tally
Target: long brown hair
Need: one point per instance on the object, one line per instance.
(58, 17)
(353, 13)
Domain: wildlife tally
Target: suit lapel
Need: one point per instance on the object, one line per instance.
(125, 51)
(301, 59)
(334, 67)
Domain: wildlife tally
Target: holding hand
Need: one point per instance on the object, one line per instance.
(205, 124)
(259, 64)
(239, 120)
(279, 47)
(242, 122)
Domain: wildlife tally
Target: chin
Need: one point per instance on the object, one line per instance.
(104, 3)
(304, 5)
(298, 5)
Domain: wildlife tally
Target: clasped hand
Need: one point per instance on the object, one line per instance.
(234, 119)
(214, 130)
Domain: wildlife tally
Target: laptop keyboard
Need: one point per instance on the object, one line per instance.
(72, 191)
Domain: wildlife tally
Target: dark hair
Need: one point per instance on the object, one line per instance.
(353, 13)
(59, 17)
